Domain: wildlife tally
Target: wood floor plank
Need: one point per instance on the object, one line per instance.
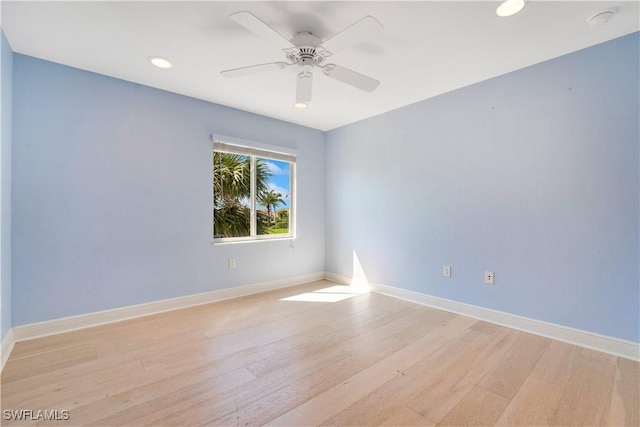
(556, 364)
(93, 386)
(203, 407)
(452, 385)
(510, 372)
(453, 337)
(624, 410)
(407, 417)
(366, 360)
(287, 316)
(339, 397)
(314, 335)
(197, 354)
(463, 346)
(485, 327)
(331, 355)
(109, 410)
(40, 363)
(256, 411)
(478, 408)
(250, 331)
(125, 329)
(361, 356)
(68, 381)
(385, 335)
(535, 404)
(537, 400)
(147, 343)
(587, 395)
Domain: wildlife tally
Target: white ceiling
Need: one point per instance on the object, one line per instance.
(427, 48)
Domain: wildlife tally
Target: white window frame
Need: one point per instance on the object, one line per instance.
(227, 144)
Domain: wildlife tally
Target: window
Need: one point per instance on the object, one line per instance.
(253, 193)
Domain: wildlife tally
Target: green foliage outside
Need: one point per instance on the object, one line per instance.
(281, 225)
(278, 231)
(231, 195)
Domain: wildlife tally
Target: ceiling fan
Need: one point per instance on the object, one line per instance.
(307, 51)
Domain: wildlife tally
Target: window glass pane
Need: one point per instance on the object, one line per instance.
(273, 189)
(231, 195)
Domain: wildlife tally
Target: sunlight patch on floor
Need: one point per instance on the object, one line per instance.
(313, 297)
(359, 285)
(330, 294)
(341, 289)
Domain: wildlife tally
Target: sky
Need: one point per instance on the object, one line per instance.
(279, 181)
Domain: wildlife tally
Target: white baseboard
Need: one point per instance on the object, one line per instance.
(603, 343)
(7, 345)
(67, 324)
(611, 345)
(337, 278)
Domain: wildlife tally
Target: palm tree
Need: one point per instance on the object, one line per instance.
(271, 200)
(232, 193)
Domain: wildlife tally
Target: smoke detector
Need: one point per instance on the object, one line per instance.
(602, 18)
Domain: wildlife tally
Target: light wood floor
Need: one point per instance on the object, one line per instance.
(365, 360)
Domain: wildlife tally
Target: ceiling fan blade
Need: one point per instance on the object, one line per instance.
(253, 69)
(303, 87)
(362, 30)
(252, 23)
(350, 77)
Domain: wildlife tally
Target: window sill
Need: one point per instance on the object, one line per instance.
(235, 242)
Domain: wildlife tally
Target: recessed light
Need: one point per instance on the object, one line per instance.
(510, 7)
(159, 62)
(300, 105)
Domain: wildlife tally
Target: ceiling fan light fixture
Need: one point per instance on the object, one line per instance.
(303, 87)
(159, 61)
(510, 7)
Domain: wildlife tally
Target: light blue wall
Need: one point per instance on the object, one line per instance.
(6, 72)
(112, 195)
(532, 175)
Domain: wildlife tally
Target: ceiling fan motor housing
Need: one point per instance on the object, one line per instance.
(307, 50)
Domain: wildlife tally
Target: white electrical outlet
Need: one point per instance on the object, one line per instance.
(488, 277)
(232, 263)
(446, 271)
